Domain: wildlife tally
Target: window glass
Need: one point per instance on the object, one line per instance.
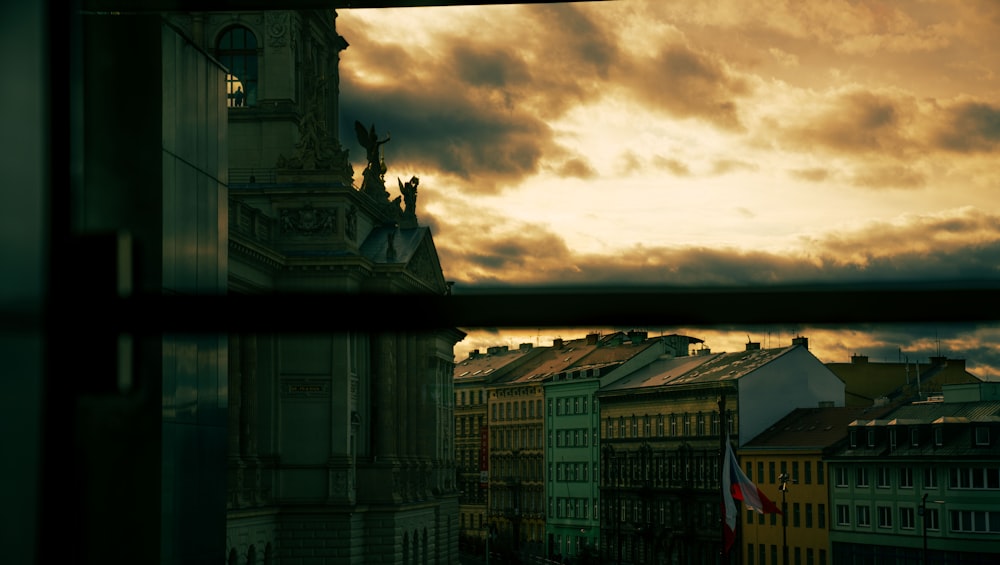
(237, 51)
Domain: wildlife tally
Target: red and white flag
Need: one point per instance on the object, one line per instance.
(737, 486)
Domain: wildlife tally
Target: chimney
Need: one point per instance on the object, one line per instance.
(557, 343)
(859, 359)
(803, 341)
(753, 345)
(939, 361)
(592, 339)
(524, 347)
(473, 354)
(637, 337)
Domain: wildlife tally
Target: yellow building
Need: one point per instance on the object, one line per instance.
(791, 454)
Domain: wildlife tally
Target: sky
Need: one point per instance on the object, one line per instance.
(661, 142)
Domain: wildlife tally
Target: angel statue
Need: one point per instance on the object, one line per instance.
(409, 192)
(370, 141)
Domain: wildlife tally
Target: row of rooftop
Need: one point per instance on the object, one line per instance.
(687, 360)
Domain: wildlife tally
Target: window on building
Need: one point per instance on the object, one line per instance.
(861, 476)
(907, 520)
(659, 425)
(807, 473)
(635, 426)
(892, 438)
(939, 436)
(871, 438)
(770, 472)
(982, 435)
(882, 479)
(930, 477)
(978, 521)
(809, 515)
(854, 438)
(840, 476)
(700, 424)
(673, 425)
(795, 471)
(821, 516)
(906, 477)
(820, 472)
(687, 425)
(915, 436)
(760, 471)
(863, 516)
(646, 427)
(715, 424)
(974, 478)
(884, 516)
(236, 50)
(843, 515)
(796, 515)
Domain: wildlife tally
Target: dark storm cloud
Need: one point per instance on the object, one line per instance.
(856, 122)
(685, 83)
(475, 108)
(447, 133)
(490, 66)
(963, 247)
(971, 127)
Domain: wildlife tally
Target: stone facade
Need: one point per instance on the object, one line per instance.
(340, 445)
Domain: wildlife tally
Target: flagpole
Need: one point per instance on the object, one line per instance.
(723, 439)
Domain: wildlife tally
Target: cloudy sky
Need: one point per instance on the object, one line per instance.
(696, 143)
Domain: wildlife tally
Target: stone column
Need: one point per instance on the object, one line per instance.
(383, 391)
(248, 416)
(235, 462)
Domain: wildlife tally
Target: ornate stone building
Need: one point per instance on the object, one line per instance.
(341, 444)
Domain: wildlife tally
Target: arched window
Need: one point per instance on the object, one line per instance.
(237, 51)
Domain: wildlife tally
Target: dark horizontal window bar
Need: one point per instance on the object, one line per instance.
(537, 307)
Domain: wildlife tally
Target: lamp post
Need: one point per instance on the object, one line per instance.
(611, 475)
(922, 512)
(784, 479)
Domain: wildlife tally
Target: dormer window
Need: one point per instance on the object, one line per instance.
(939, 436)
(914, 436)
(892, 438)
(871, 438)
(982, 435)
(854, 438)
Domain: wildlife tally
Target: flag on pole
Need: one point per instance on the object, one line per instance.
(737, 486)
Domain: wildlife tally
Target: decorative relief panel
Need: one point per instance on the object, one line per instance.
(277, 29)
(309, 221)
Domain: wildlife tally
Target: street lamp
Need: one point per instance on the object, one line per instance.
(610, 461)
(784, 479)
(922, 511)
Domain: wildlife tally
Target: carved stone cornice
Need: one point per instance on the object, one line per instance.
(268, 259)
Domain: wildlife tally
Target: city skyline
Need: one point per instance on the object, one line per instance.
(731, 143)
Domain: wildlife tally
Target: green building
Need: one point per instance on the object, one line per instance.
(921, 484)
(572, 420)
